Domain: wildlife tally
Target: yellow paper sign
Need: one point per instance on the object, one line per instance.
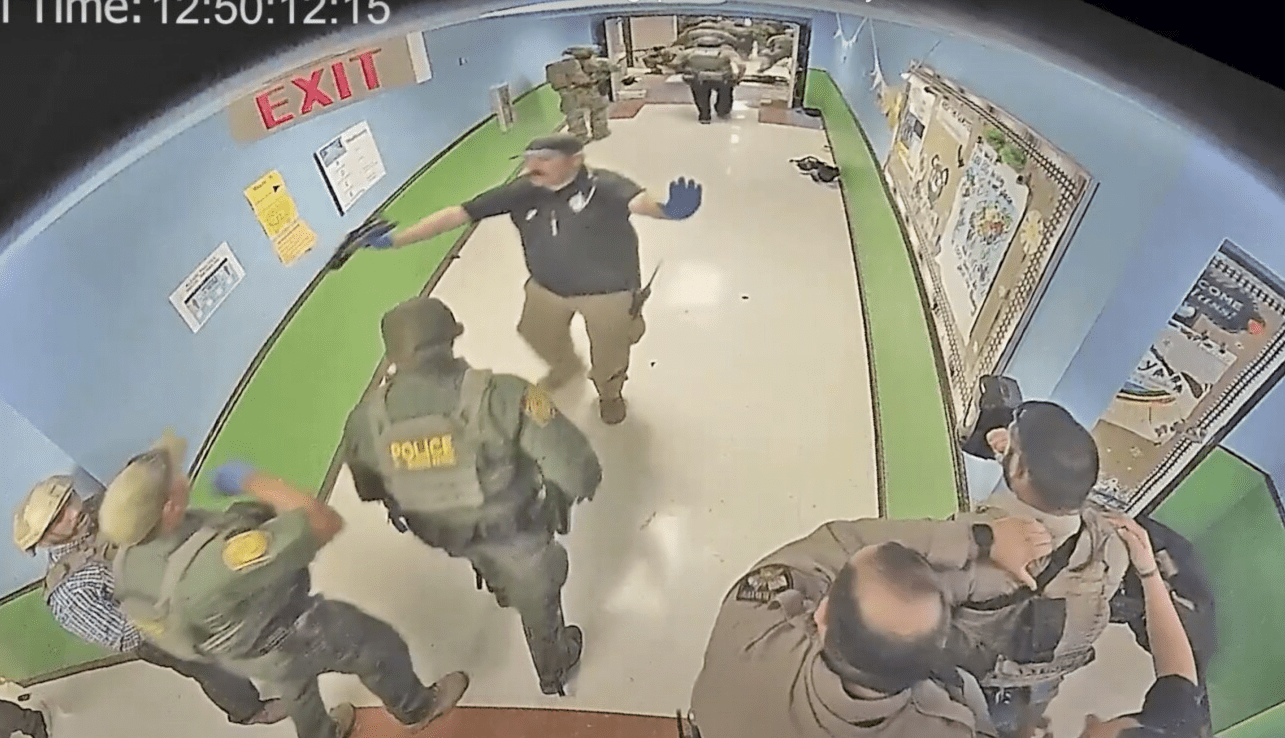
(272, 204)
(295, 242)
(276, 212)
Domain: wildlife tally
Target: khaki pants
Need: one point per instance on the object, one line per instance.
(546, 326)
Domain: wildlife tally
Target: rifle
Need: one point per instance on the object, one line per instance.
(641, 296)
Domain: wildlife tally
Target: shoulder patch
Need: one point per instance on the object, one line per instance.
(245, 549)
(538, 406)
(765, 583)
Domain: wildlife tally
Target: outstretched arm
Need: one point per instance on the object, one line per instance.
(1170, 646)
(444, 220)
(685, 197)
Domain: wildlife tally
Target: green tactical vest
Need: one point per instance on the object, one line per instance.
(563, 74)
(599, 70)
(147, 577)
(709, 63)
(429, 463)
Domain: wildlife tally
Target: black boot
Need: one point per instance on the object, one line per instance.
(556, 683)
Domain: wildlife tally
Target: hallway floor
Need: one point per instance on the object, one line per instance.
(755, 339)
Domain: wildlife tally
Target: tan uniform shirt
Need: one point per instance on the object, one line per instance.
(763, 675)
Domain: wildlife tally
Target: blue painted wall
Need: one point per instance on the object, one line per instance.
(106, 361)
(86, 302)
(28, 457)
(1164, 203)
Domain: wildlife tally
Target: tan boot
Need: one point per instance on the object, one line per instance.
(612, 410)
(345, 717)
(557, 377)
(447, 692)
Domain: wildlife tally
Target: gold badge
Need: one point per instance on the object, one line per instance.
(150, 628)
(538, 406)
(245, 549)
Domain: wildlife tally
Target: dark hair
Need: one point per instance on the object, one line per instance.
(1058, 453)
(1142, 731)
(897, 662)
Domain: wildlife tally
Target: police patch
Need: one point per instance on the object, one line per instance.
(150, 628)
(765, 583)
(245, 549)
(538, 406)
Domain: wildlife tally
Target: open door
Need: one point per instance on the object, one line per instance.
(617, 53)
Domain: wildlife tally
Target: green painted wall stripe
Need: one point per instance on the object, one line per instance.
(920, 470)
(289, 413)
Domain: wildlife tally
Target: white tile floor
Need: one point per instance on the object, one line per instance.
(755, 339)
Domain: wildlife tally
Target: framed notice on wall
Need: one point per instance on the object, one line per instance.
(502, 105)
(207, 287)
(1212, 357)
(989, 206)
(350, 164)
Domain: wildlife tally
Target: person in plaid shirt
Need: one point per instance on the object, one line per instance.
(79, 591)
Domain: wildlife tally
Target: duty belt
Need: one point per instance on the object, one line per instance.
(1010, 674)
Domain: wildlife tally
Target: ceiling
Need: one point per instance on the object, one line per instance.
(83, 88)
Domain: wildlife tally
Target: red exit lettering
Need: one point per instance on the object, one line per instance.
(313, 95)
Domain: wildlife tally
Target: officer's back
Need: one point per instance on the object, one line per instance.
(496, 441)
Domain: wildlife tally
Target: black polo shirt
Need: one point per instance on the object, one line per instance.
(578, 240)
(1172, 708)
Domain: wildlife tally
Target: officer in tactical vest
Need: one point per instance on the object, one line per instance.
(710, 68)
(660, 59)
(78, 589)
(779, 47)
(1021, 643)
(577, 78)
(233, 588)
(480, 465)
(690, 39)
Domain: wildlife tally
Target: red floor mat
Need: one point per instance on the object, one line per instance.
(496, 722)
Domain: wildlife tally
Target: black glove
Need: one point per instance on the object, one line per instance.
(557, 509)
(999, 397)
(396, 516)
(374, 233)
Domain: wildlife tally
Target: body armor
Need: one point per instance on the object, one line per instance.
(93, 548)
(145, 588)
(708, 63)
(1026, 638)
(430, 462)
(565, 74)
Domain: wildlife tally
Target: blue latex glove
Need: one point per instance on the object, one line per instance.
(378, 234)
(684, 199)
(231, 477)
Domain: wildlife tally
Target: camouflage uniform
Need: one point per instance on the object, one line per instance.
(577, 78)
(480, 465)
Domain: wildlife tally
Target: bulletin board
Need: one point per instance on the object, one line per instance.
(1216, 354)
(989, 206)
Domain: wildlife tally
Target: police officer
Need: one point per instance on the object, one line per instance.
(78, 589)
(843, 633)
(581, 249)
(658, 58)
(576, 78)
(480, 465)
(234, 588)
(1173, 706)
(710, 68)
(1021, 644)
(779, 47)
